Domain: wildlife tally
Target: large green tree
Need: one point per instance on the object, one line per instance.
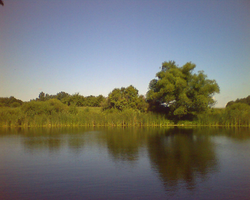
(180, 91)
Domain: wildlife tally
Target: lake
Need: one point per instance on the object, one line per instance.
(129, 163)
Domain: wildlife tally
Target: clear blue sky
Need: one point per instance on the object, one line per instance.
(92, 47)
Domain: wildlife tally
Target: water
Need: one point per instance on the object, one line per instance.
(112, 163)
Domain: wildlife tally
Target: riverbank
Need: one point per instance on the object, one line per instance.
(95, 117)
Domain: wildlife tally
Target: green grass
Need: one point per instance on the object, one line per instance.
(224, 117)
(54, 114)
(88, 116)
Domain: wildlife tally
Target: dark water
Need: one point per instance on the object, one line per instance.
(111, 163)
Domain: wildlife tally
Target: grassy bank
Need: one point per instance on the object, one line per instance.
(237, 115)
(55, 114)
(15, 117)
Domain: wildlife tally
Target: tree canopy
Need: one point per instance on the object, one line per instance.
(245, 100)
(75, 99)
(180, 92)
(10, 102)
(125, 98)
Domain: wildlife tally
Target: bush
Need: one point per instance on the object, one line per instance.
(15, 104)
(44, 107)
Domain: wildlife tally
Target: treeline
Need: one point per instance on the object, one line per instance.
(75, 99)
(175, 96)
(70, 100)
(53, 113)
(245, 100)
(237, 114)
(10, 102)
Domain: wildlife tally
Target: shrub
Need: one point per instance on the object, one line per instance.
(44, 107)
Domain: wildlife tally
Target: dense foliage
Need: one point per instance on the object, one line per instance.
(125, 98)
(75, 99)
(245, 100)
(53, 113)
(238, 113)
(10, 102)
(49, 107)
(182, 93)
(176, 97)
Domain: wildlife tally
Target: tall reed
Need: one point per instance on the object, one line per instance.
(225, 117)
(16, 117)
(55, 114)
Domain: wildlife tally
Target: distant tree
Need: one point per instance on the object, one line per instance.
(230, 103)
(142, 104)
(94, 101)
(41, 96)
(245, 100)
(49, 107)
(99, 100)
(15, 104)
(47, 96)
(180, 92)
(75, 99)
(131, 96)
(125, 98)
(90, 101)
(10, 101)
(62, 95)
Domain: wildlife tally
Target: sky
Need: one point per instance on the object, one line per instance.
(91, 47)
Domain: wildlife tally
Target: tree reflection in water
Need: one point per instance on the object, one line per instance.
(53, 140)
(123, 144)
(180, 156)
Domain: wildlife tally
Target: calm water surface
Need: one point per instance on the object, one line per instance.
(80, 163)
